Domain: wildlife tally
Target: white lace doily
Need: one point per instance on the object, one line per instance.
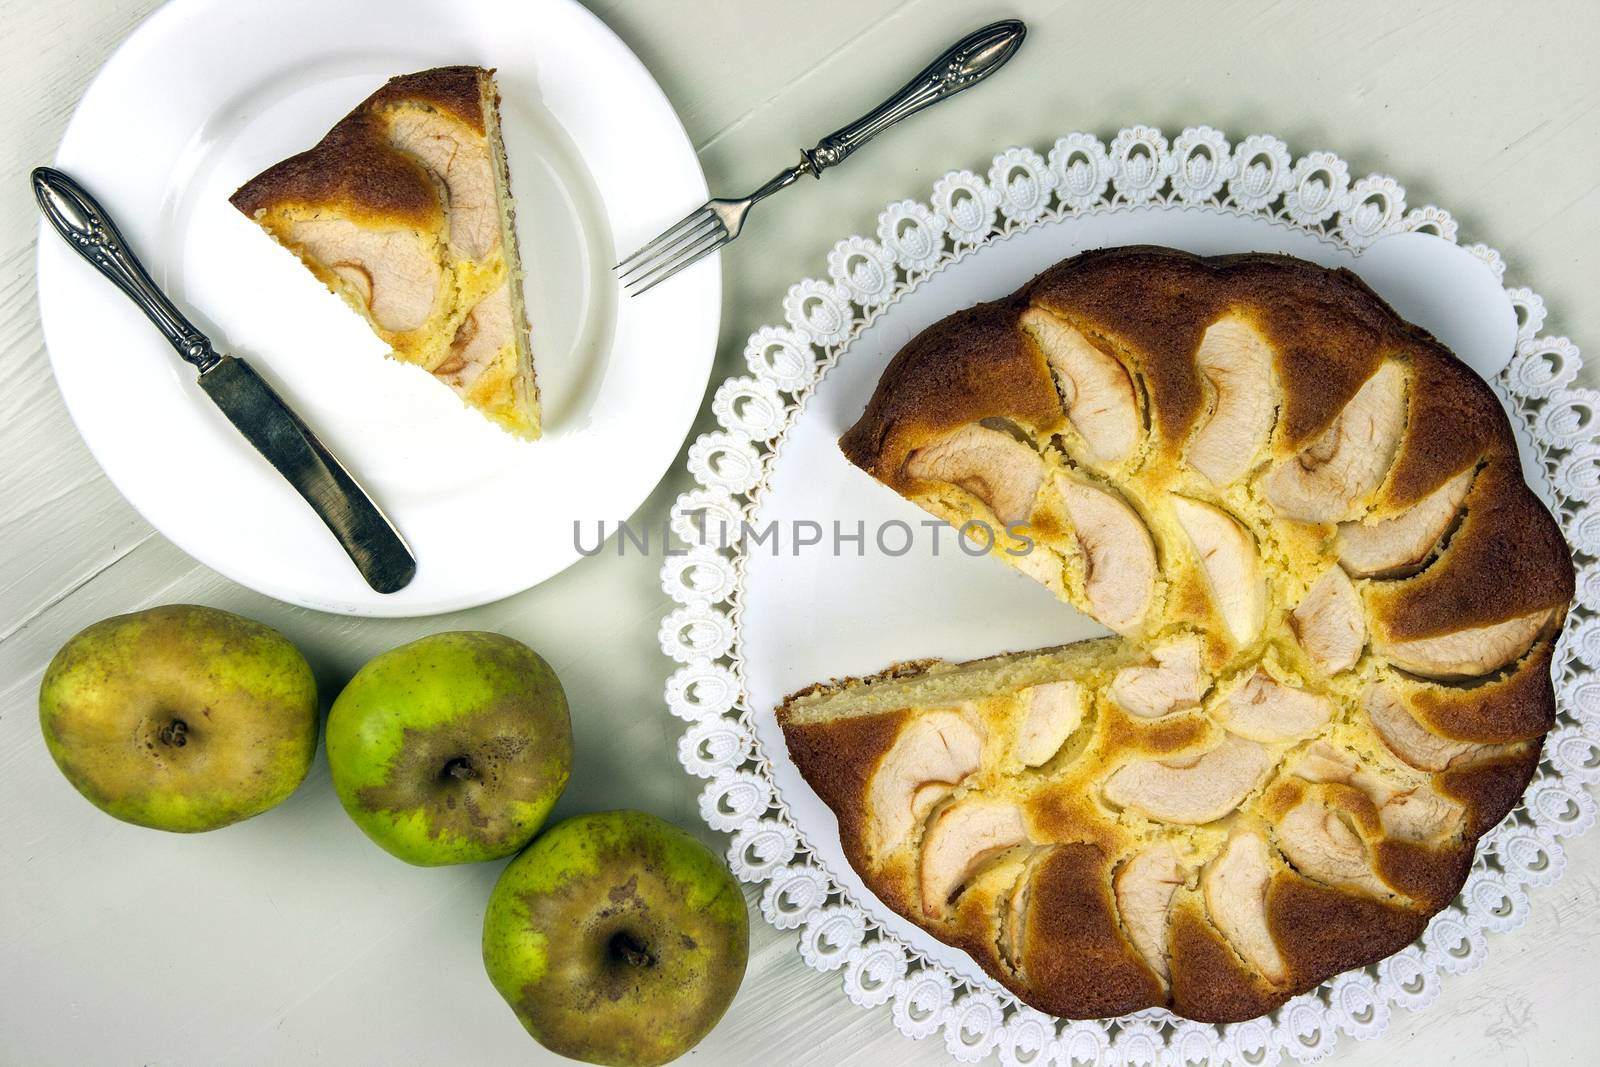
(1082, 174)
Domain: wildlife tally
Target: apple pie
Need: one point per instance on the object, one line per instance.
(1335, 603)
(404, 209)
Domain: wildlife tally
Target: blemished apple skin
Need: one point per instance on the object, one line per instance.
(617, 938)
(451, 749)
(181, 718)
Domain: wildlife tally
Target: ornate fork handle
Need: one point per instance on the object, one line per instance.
(965, 64)
(88, 229)
(718, 221)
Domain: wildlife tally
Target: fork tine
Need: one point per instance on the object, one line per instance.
(694, 217)
(697, 217)
(683, 246)
(684, 258)
(668, 250)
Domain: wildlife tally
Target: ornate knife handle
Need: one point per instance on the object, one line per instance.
(965, 64)
(90, 231)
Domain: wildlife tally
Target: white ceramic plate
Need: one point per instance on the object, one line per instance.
(207, 93)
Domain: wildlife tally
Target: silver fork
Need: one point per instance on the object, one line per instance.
(708, 228)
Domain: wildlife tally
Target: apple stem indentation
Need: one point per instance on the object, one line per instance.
(175, 734)
(626, 948)
(461, 769)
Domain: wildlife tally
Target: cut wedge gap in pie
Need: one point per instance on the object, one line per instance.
(404, 210)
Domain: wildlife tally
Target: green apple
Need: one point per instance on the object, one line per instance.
(451, 749)
(180, 718)
(617, 939)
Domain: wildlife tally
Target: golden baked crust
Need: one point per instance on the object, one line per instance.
(1336, 601)
(404, 209)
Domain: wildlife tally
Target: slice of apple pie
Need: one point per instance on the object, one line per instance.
(404, 209)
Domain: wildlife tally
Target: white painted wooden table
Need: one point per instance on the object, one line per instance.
(1488, 108)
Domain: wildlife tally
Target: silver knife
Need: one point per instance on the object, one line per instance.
(364, 532)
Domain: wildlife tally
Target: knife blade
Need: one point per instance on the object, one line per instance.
(367, 536)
